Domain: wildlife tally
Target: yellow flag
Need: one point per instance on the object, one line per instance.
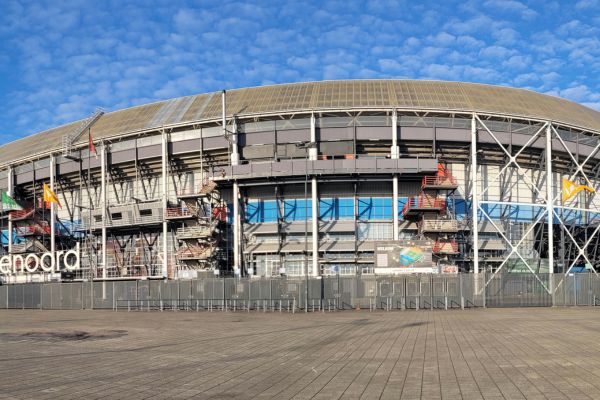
(570, 189)
(49, 196)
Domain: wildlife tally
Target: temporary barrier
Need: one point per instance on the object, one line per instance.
(328, 293)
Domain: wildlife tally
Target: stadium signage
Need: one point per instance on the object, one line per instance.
(33, 263)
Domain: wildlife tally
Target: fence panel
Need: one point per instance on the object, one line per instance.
(454, 290)
(143, 291)
(103, 295)
(32, 296)
(15, 296)
(3, 296)
(425, 291)
(366, 292)
(385, 293)
(439, 291)
(71, 296)
(595, 287)
(584, 289)
(125, 294)
(331, 292)
(413, 295)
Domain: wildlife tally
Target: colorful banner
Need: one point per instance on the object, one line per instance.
(404, 257)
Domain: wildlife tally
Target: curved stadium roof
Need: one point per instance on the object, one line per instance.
(326, 95)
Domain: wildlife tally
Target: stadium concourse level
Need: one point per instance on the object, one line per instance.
(359, 178)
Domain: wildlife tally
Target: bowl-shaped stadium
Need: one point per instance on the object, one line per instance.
(308, 179)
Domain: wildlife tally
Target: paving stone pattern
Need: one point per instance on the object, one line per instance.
(474, 354)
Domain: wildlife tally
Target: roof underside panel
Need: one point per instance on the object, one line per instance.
(328, 95)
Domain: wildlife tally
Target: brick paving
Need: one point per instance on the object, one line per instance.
(473, 354)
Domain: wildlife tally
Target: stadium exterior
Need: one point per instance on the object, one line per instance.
(310, 179)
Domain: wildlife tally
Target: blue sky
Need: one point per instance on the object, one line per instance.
(61, 59)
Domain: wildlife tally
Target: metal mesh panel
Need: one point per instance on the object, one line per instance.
(103, 295)
(71, 298)
(15, 296)
(518, 290)
(32, 295)
(3, 296)
(329, 293)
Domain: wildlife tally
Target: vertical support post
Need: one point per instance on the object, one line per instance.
(395, 151)
(549, 198)
(550, 209)
(315, 228)
(474, 198)
(312, 150)
(235, 156)
(165, 182)
(395, 155)
(104, 205)
(236, 226)
(52, 209)
(395, 206)
(9, 190)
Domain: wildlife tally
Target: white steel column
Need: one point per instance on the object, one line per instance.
(394, 154)
(52, 207)
(104, 205)
(165, 228)
(395, 206)
(474, 199)
(9, 190)
(312, 150)
(312, 156)
(549, 198)
(236, 226)
(315, 228)
(233, 142)
(395, 150)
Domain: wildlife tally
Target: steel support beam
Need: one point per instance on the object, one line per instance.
(165, 183)
(52, 207)
(395, 151)
(315, 228)
(395, 206)
(549, 198)
(236, 227)
(474, 198)
(394, 155)
(9, 189)
(312, 150)
(233, 137)
(104, 206)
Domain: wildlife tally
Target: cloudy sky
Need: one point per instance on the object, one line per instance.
(61, 59)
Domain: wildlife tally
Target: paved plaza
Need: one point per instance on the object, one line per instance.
(473, 354)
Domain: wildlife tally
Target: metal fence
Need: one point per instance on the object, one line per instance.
(313, 294)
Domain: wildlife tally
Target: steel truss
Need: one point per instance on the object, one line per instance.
(545, 201)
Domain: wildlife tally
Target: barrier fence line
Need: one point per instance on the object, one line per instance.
(329, 293)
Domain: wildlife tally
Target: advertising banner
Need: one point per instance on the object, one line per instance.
(404, 257)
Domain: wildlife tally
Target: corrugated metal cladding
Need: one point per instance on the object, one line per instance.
(430, 95)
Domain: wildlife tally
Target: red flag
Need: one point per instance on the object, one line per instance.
(92, 147)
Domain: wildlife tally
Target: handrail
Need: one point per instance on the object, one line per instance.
(440, 224)
(424, 202)
(441, 245)
(439, 180)
(177, 212)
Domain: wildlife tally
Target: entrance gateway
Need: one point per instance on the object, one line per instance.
(47, 262)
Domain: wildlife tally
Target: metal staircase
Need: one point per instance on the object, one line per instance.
(70, 139)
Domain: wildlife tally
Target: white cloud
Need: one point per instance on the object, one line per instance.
(62, 59)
